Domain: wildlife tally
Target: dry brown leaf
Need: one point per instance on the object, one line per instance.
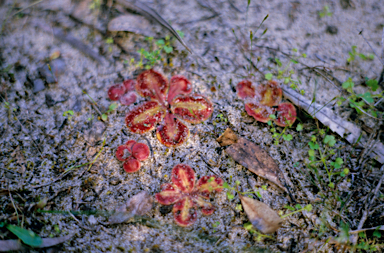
(251, 156)
(139, 204)
(261, 215)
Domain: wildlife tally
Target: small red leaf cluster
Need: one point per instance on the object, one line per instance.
(265, 100)
(169, 103)
(123, 92)
(132, 153)
(186, 195)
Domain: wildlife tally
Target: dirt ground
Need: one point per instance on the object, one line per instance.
(38, 144)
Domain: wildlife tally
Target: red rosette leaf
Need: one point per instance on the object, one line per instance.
(128, 98)
(130, 144)
(153, 84)
(206, 208)
(245, 89)
(184, 212)
(131, 165)
(269, 94)
(183, 177)
(129, 85)
(286, 115)
(168, 195)
(259, 112)
(140, 151)
(179, 85)
(144, 117)
(172, 132)
(116, 91)
(193, 109)
(123, 152)
(208, 184)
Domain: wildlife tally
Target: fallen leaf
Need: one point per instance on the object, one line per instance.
(251, 156)
(27, 236)
(139, 205)
(13, 245)
(261, 215)
(131, 23)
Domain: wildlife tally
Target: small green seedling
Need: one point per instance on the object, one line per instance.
(325, 12)
(296, 209)
(363, 103)
(153, 56)
(111, 108)
(68, 114)
(353, 53)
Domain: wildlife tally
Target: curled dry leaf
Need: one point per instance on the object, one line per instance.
(139, 204)
(251, 156)
(261, 215)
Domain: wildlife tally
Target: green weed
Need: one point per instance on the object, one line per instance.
(353, 53)
(364, 102)
(157, 49)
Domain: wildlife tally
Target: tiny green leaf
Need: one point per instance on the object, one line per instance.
(368, 97)
(160, 42)
(373, 84)
(104, 117)
(248, 226)
(268, 76)
(299, 127)
(168, 49)
(27, 236)
(377, 233)
(112, 106)
(181, 34)
(287, 137)
(330, 140)
(230, 196)
(308, 208)
(289, 208)
(313, 145)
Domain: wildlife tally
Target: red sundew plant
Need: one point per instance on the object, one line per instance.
(264, 100)
(123, 92)
(132, 153)
(169, 102)
(186, 195)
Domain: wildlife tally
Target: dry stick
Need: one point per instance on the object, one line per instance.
(80, 225)
(381, 227)
(76, 43)
(13, 204)
(366, 211)
(366, 41)
(29, 6)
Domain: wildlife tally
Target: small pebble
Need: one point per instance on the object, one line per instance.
(331, 29)
(38, 85)
(49, 100)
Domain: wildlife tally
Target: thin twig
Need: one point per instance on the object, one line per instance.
(29, 6)
(381, 227)
(361, 33)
